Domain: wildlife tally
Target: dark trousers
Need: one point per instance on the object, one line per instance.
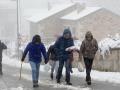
(67, 66)
(0, 65)
(88, 64)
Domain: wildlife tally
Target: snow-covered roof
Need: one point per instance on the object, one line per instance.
(75, 15)
(36, 15)
(7, 4)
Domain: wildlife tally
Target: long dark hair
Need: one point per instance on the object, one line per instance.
(36, 39)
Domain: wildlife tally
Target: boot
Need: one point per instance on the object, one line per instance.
(69, 83)
(89, 82)
(35, 84)
(51, 75)
(58, 81)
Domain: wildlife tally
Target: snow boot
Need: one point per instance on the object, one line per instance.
(51, 75)
(35, 84)
(58, 81)
(69, 83)
(88, 82)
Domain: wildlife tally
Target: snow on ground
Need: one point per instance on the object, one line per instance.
(113, 77)
(16, 63)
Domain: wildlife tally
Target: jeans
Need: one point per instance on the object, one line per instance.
(88, 64)
(35, 70)
(67, 66)
(54, 66)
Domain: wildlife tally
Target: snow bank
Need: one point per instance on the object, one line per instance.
(19, 88)
(107, 43)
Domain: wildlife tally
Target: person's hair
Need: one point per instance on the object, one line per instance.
(36, 39)
(88, 33)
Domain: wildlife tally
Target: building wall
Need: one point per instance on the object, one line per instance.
(100, 23)
(50, 27)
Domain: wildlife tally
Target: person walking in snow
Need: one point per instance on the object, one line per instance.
(88, 50)
(61, 45)
(2, 47)
(53, 60)
(35, 49)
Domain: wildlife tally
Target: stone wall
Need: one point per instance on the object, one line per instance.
(109, 63)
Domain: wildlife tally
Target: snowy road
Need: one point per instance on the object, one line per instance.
(10, 81)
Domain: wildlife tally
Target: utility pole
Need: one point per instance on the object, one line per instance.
(18, 25)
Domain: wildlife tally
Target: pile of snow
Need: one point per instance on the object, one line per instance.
(19, 88)
(108, 43)
(63, 86)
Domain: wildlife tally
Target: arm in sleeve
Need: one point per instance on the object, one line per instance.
(96, 45)
(81, 50)
(72, 43)
(4, 46)
(82, 47)
(57, 44)
(49, 52)
(44, 53)
(25, 52)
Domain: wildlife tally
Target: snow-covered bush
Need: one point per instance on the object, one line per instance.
(108, 43)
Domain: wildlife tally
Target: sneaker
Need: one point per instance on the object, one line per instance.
(51, 75)
(35, 86)
(58, 81)
(69, 83)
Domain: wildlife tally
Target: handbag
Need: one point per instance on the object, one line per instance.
(80, 67)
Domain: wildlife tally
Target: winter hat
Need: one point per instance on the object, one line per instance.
(67, 31)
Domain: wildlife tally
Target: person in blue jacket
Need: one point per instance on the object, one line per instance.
(35, 49)
(61, 45)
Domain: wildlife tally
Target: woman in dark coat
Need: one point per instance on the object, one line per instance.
(88, 50)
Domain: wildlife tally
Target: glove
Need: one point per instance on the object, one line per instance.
(22, 60)
(46, 61)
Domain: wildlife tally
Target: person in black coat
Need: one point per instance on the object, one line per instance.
(2, 47)
(61, 45)
(53, 60)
